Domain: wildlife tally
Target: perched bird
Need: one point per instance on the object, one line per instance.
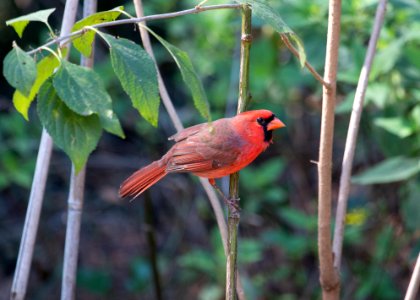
(210, 150)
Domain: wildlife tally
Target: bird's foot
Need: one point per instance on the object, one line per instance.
(233, 204)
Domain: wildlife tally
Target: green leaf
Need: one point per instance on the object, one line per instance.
(84, 42)
(19, 24)
(77, 135)
(83, 92)
(399, 126)
(19, 69)
(138, 76)
(189, 76)
(45, 68)
(270, 16)
(391, 170)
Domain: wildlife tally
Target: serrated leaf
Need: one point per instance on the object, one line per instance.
(391, 170)
(138, 76)
(83, 92)
(76, 135)
(20, 23)
(399, 126)
(45, 68)
(19, 69)
(84, 42)
(262, 10)
(189, 76)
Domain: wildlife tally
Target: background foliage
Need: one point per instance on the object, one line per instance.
(278, 226)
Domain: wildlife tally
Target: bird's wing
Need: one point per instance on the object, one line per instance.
(187, 132)
(206, 150)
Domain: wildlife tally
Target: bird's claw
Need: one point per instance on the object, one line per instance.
(233, 204)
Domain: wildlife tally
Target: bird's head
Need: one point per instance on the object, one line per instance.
(260, 123)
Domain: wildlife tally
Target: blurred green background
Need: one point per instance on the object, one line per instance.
(277, 246)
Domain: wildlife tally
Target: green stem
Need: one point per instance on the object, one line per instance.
(243, 100)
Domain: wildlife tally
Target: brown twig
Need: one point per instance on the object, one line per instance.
(329, 279)
(353, 130)
(311, 69)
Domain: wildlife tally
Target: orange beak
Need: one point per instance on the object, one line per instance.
(275, 124)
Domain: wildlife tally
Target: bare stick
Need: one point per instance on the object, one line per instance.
(74, 219)
(311, 69)
(413, 287)
(243, 100)
(75, 200)
(33, 213)
(211, 194)
(352, 135)
(67, 37)
(329, 279)
(23, 266)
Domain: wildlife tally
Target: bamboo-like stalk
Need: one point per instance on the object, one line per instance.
(71, 248)
(75, 200)
(328, 276)
(176, 121)
(33, 213)
(414, 284)
(353, 130)
(234, 214)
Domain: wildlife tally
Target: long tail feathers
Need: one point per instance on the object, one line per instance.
(141, 180)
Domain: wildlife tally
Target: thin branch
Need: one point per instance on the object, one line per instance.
(329, 279)
(352, 135)
(67, 37)
(295, 52)
(413, 287)
(211, 194)
(243, 100)
(75, 200)
(23, 266)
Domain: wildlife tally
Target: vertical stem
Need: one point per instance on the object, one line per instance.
(75, 201)
(234, 215)
(328, 277)
(353, 130)
(33, 213)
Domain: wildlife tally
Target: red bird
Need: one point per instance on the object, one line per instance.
(210, 150)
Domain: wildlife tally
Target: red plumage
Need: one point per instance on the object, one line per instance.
(210, 150)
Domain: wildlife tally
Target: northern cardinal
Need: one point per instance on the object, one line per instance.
(210, 150)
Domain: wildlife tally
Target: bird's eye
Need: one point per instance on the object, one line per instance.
(260, 120)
